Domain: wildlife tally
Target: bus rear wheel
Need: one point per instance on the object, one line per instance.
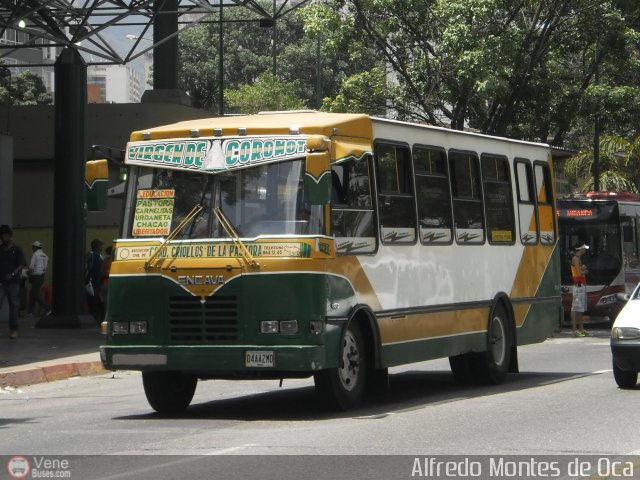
(342, 388)
(493, 364)
(625, 379)
(169, 392)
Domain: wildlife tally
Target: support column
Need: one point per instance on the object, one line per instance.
(6, 180)
(165, 57)
(69, 217)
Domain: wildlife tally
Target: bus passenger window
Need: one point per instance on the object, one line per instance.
(467, 200)
(432, 195)
(498, 200)
(527, 218)
(546, 209)
(352, 219)
(396, 206)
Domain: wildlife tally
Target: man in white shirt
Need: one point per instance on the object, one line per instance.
(37, 270)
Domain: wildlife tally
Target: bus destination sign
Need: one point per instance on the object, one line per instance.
(212, 155)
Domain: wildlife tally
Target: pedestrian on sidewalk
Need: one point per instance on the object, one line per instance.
(94, 278)
(37, 271)
(106, 270)
(11, 264)
(579, 303)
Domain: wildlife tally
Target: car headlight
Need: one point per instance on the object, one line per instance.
(625, 333)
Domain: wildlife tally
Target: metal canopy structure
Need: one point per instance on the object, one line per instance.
(78, 29)
(81, 24)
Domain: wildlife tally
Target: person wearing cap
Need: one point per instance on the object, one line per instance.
(579, 303)
(37, 271)
(11, 264)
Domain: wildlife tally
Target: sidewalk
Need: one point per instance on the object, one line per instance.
(47, 354)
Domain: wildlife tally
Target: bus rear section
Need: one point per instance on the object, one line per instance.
(609, 223)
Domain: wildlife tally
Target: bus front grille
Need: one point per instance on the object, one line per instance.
(195, 322)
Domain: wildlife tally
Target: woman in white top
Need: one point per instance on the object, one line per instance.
(37, 271)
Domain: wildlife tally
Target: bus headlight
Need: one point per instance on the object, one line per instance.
(120, 328)
(282, 326)
(123, 328)
(625, 333)
(138, 327)
(269, 326)
(289, 326)
(607, 300)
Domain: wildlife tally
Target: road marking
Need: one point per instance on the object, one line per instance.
(226, 451)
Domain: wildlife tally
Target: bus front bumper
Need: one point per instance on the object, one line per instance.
(218, 361)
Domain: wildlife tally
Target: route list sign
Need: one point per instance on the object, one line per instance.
(154, 209)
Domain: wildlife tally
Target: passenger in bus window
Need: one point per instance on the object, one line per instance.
(579, 304)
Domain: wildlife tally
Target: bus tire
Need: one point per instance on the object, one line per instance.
(342, 387)
(625, 379)
(493, 364)
(169, 392)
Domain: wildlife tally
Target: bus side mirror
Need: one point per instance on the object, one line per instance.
(317, 176)
(96, 181)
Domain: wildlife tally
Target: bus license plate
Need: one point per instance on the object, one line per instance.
(259, 359)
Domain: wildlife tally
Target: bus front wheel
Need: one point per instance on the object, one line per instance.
(169, 392)
(342, 388)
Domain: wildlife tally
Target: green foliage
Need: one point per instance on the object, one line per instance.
(267, 93)
(521, 69)
(619, 165)
(311, 51)
(365, 92)
(25, 88)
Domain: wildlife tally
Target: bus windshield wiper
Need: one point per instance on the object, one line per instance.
(190, 216)
(228, 227)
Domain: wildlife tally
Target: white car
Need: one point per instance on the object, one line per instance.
(625, 341)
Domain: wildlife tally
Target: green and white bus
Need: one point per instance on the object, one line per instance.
(300, 244)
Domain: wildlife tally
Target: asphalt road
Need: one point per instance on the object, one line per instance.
(564, 402)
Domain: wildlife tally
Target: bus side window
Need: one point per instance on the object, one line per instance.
(498, 200)
(433, 196)
(467, 197)
(396, 205)
(352, 218)
(546, 209)
(527, 216)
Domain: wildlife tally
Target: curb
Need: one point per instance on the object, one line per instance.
(50, 373)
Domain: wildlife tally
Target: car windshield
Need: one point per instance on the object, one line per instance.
(263, 200)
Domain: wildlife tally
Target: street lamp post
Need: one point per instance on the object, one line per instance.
(148, 57)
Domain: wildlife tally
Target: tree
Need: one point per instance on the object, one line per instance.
(25, 88)
(267, 93)
(248, 53)
(521, 69)
(619, 165)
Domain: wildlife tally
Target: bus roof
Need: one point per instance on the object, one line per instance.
(621, 196)
(272, 123)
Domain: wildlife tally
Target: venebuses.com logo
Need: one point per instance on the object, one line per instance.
(38, 467)
(18, 467)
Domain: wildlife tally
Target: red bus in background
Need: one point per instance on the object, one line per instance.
(609, 223)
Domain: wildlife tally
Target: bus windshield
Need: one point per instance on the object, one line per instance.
(596, 224)
(263, 200)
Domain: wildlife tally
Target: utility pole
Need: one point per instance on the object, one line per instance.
(596, 126)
